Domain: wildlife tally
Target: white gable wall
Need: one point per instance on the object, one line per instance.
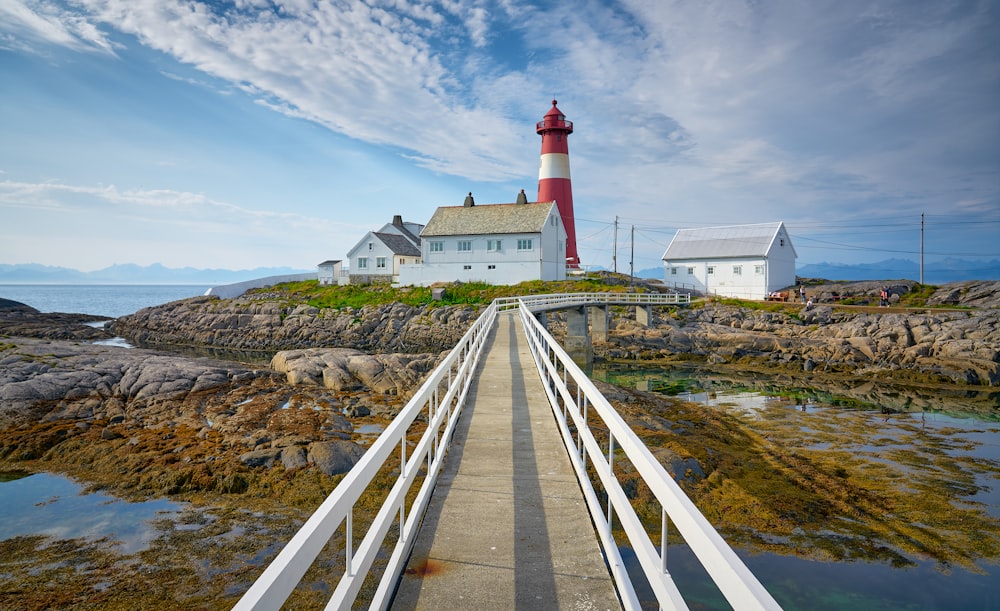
(363, 258)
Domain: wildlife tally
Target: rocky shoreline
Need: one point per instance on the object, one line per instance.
(358, 362)
(154, 421)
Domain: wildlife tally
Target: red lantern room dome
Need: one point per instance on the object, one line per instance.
(554, 119)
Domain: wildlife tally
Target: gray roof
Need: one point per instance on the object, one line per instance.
(398, 244)
(329, 262)
(488, 219)
(724, 242)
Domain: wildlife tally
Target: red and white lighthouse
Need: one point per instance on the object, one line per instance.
(553, 173)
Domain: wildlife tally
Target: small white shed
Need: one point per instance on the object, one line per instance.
(744, 261)
(330, 272)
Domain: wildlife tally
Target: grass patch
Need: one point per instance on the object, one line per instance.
(456, 293)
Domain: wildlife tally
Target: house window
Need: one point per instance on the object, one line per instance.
(370, 246)
(402, 261)
(782, 241)
(465, 246)
(379, 262)
(524, 244)
(492, 245)
(466, 267)
(711, 270)
(737, 270)
(362, 262)
(491, 267)
(673, 271)
(437, 246)
(758, 269)
(690, 271)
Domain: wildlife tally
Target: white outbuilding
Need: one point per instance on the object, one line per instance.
(378, 256)
(744, 261)
(500, 244)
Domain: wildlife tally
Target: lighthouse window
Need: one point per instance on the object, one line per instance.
(379, 262)
(524, 244)
(437, 246)
(492, 245)
(465, 246)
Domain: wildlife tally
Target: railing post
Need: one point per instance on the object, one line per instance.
(350, 541)
(611, 468)
(663, 539)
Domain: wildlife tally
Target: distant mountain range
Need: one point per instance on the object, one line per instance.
(939, 272)
(32, 273)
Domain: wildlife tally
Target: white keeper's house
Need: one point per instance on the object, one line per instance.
(500, 244)
(378, 257)
(744, 261)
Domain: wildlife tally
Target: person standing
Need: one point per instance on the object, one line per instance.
(802, 292)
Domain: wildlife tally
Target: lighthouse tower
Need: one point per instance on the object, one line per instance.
(553, 173)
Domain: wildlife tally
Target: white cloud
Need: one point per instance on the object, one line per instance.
(25, 23)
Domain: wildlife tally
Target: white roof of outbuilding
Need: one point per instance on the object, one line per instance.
(725, 242)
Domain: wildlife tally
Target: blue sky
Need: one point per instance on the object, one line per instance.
(249, 133)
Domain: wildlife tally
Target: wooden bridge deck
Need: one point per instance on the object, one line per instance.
(507, 526)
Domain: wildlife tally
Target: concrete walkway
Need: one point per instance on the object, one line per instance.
(507, 526)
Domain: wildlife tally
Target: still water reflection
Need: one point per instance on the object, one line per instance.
(52, 505)
(962, 425)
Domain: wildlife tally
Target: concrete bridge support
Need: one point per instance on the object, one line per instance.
(599, 323)
(644, 315)
(577, 343)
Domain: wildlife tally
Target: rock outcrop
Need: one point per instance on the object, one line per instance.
(347, 369)
(252, 323)
(20, 320)
(955, 346)
(256, 415)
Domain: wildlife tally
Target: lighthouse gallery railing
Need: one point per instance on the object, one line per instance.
(441, 397)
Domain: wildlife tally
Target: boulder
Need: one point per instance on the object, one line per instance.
(335, 457)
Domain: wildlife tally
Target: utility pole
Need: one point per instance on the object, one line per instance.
(631, 270)
(614, 252)
(921, 248)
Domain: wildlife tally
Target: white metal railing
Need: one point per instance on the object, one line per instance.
(441, 398)
(541, 302)
(573, 411)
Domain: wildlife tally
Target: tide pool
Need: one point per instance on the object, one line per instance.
(55, 506)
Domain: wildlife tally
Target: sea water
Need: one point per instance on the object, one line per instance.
(111, 300)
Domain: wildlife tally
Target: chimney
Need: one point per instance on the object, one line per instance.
(397, 220)
(469, 202)
(522, 198)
